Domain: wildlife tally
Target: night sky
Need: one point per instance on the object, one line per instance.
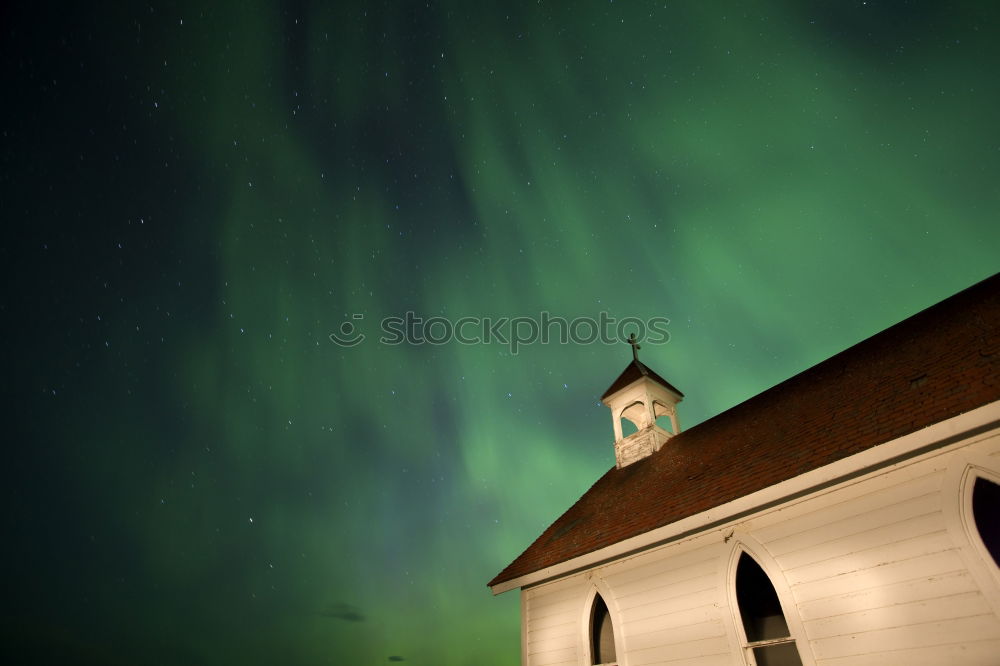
(193, 200)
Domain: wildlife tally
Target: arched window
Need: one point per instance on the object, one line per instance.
(666, 417)
(985, 509)
(628, 427)
(633, 418)
(602, 634)
(973, 481)
(767, 639)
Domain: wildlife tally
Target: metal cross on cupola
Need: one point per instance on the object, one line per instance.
(635, 346)
(641, 396)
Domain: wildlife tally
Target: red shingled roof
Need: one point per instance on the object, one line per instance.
(634, 371)
(935, 365)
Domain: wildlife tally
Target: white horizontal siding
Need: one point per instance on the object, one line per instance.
(556, 612)
(925, 634)
(971, 653)
(552, 629)
(846, 502)
(553, 658)
(968, 604)
(553, 594)
(668, 598)
(668, 603)
(705, 651)
(545, 608)
(663, 564)
(857, 555)
(541, 649)
(557, 641)
(564, 635)
(549, 621)
(882, 575)
(871, 517)
(663, 638)
(681, 611)
(882, 596)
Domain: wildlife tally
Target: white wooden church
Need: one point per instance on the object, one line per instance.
(849, 515)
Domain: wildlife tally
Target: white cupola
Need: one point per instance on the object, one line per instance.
(641, 396)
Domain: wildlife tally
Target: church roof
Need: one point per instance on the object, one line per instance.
(937, 364)
(634, 371)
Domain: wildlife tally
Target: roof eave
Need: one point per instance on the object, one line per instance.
(925, 441)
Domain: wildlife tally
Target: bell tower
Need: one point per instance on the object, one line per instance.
(641, 396)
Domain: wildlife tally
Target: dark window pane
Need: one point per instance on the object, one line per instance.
(986, 513)
(759, 606)
(602, 633)
(777, 655)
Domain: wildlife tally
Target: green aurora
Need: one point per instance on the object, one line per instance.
(196, 197)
